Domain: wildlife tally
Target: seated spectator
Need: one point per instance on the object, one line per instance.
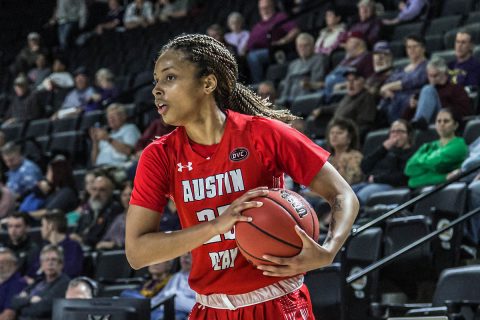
(304, 72)
(40, 72)
(89, 179)
(98, 213)
(113, 19)
(106, 91)
(330, 37)
(266, 90)
(115, 235)
(166, 10)
(259, 43)
(403, 83)
(357, 105)
(156, 128)
(382, 66)
(438, 94)
(434, 160)
(81, 288)
(23, 174)
(20, 242)
(465, 69)
(237, 37)
(158, 276)
(114, 148)
(216, 32)
(342, 142)
(178, 285)
(11, 282)
(409, 10)
(55, 191)
(76, 100)
(36, 301)
(54, 231)
(59, 78)
(471, 228)
(26, 58)
(368, 23)
(356, 56)
(7, 202)
(139, 13)
(383, 168)
(24, 105)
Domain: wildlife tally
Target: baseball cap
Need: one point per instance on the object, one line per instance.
(382, 47)
(80, 70)
(355, 34)
(354, 71)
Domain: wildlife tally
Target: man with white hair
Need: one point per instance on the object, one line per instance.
(437, 94)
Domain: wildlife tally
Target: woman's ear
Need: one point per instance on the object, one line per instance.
(210, 83)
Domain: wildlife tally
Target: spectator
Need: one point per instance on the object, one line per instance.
(11, 283)
(56, 191)
(383, 67)
(329, 37)
(356, 56)
(409, 10)
(27, 57)
(383, 168)
(84, 197)
(178, 285)
(259, 42)
(369, 24)
(342, 141)
(54, 231)
(115, 147)
(113, 19)
(156, 128)
(24, 105)
(59, 78)
(402, 84)
(465, 69)
(98, 213)
(438, 94)
(138, 14)
(7, 202)
(434, 160)
(36, 301)
(216, 32)
(40, 72)
(106, 91)
(20, 242)
(358, 104)
(76, 100)
(70, 16)
(159, 275)
(166, 10)
(237, 37)
(304, 72)
(266, 90)
(23, 174)
(81, 288)
(115, 235)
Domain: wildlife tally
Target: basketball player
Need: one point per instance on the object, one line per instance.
(229, 147)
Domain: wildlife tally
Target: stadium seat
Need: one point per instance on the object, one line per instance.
(373, 140)
(72, 144)
(142, 79)
(336, 57)
(401, 63)
(79, 176)
(440, 25)
(66, 124)
(448, 55)
(403, 30)
(111, 265)
(424, 136)
(38, 128)
(384, 201)
(276, 72)
(451, 199)
(455, 7)
(89, 119)
(472, 131)
(398, 48)
(14, 131)
(114, 290)
(434, 42)
(304, 104)
(473, 17)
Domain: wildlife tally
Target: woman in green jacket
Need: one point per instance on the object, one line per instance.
(434, 160)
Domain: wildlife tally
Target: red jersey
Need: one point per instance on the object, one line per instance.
(253, 152)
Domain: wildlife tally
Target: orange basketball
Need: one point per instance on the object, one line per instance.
(272, 230)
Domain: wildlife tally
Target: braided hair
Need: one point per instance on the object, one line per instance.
(212, 57)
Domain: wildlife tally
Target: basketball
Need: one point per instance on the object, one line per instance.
(272, 230)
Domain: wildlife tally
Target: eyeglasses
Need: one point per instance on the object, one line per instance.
(398, 131)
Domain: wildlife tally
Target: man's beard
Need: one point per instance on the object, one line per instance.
(95, 204)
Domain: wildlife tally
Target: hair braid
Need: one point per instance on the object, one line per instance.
(212, 57)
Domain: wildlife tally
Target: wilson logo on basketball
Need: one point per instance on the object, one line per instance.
(297, 205)
(239, 154)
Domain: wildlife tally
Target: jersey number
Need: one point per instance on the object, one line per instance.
(209, 215)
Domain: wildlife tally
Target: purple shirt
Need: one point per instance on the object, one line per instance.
(10, 288)
(466, 73)
(413, 8)
(369, 28)
(258, 36)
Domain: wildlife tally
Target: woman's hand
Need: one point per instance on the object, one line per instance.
(233, 214)
(311, 257)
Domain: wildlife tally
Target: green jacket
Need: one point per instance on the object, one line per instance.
(432, 162)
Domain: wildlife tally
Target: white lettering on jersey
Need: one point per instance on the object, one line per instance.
(212, 186)
(223, 259)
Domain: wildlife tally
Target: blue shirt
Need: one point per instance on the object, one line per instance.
(9, 288)
(24, 178)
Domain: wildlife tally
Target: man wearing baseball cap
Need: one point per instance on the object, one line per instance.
(382, 65)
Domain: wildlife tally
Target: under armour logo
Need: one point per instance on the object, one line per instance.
(99, 317)
(181, 167)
